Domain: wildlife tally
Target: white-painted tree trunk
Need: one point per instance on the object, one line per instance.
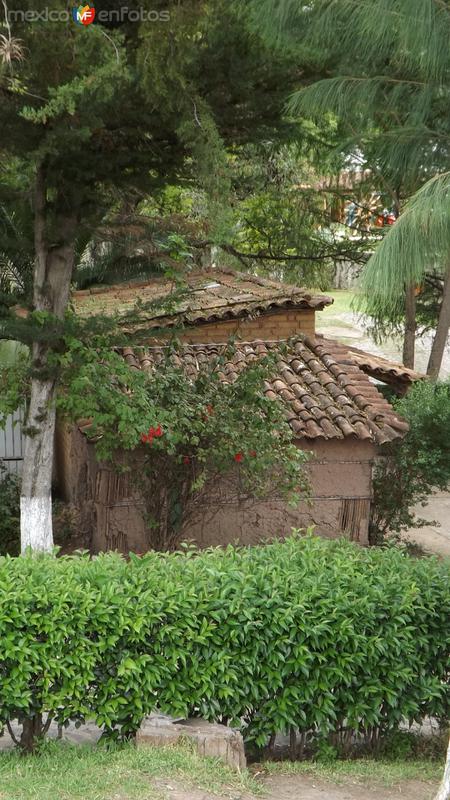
(36, 531)
(52, 275)
(444, 789)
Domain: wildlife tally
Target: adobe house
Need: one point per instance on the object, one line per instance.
(332, 404)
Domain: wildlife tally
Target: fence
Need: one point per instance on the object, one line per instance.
(12, 443)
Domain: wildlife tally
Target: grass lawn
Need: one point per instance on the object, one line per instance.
(70, 772)
(365, 771)
(343, 299)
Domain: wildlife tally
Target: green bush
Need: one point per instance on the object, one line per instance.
(324, 636)
(417, 465)
(9, 513)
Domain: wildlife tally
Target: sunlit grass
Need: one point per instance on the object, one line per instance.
(61, 771)
(331, 315)
(68, 772)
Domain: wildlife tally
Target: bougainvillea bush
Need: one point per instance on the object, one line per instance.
(187, 432)
(320, 636)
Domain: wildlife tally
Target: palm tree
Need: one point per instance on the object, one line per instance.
(389, 90)
(419, 240)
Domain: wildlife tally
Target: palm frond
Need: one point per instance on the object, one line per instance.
(415, 32)
(418, 243)
(358, 96)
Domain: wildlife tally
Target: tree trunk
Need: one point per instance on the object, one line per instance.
(444, 789)
(32, 732)
(292, 743)
(35, 498)
(52, 276)
(440, 338)
(409, 340)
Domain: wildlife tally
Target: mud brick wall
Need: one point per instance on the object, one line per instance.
(341, 479)
(278, 325)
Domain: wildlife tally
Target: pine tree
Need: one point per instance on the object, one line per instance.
(389, 67)
(94, 114)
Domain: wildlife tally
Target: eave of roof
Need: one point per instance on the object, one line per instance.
(381, 368)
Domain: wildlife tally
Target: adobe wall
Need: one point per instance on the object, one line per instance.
(341, 480)
(107, 506)
(75, 467)
(271, 325)
(72, 455)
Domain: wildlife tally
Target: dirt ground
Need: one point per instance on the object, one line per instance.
(277, 786)
(435, 537)
(304, 787)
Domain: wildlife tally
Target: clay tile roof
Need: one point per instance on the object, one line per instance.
(213, 294)
(324, 396)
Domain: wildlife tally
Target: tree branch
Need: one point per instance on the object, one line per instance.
(47, 724)
(12, 735)
(261, 256)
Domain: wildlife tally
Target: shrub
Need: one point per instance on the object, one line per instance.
(317, 635)
(9, 513)
(416, 466)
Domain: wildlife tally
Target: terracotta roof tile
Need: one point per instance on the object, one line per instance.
(211, 295)
(324, 396)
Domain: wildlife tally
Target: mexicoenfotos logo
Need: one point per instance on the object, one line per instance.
(83, 15)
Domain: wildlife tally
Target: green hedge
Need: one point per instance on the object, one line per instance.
(308, 633)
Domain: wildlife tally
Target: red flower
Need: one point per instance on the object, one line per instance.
(253, 453)
(238, 457)
(152, 434)
(144, 438)
(186, 460)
